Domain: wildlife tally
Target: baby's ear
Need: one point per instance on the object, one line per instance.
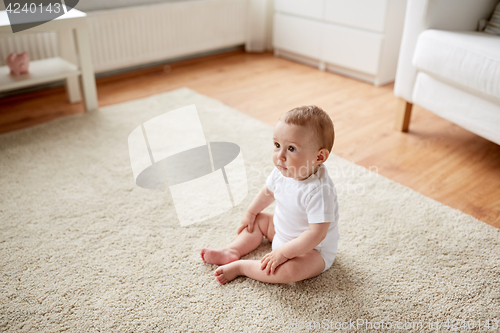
(322, 155)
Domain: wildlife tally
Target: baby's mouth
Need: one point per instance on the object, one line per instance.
(281, 168)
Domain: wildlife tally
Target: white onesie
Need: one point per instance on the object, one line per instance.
(300, 202)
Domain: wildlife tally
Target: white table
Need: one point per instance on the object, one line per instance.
(73, 63)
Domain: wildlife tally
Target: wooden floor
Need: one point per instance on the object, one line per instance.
(436, 158)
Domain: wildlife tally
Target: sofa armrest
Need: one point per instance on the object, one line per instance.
(433, 14)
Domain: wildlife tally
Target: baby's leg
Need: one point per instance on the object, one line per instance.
(296, 269)
(243, 243)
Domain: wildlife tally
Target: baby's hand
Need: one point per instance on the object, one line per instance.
(272, 260)
(248, 220)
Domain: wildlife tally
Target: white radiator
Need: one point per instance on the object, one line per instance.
(131, 36)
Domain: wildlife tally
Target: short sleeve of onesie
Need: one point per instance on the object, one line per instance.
(271, 180)
(322, 206)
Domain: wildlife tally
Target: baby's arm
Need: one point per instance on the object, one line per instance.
(307, 241)
(263, 199)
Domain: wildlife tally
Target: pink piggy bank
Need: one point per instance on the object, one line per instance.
(18, 63)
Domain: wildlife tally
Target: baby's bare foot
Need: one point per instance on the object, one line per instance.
(219, 256)
(227, 273)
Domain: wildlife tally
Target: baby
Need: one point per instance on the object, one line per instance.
(303, 229)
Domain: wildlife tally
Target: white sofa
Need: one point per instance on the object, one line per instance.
(448, 68)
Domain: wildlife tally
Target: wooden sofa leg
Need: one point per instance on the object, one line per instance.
(403, 115)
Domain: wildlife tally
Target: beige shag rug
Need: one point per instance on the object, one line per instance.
(83, 249)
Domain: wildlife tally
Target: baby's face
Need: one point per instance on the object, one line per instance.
(295, 150)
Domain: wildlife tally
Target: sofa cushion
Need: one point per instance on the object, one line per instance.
(467, 59)
(465, 109)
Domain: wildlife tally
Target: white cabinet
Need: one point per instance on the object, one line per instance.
(362, 14)
(298, 35)
(357, 38)
(310, 8)
(352, 48)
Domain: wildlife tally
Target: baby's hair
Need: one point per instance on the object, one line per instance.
(316, 119)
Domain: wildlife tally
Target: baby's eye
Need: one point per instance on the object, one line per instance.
(277, 145)
(292, 149)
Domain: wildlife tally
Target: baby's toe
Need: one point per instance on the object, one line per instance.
(221, 279)
(219, 275)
